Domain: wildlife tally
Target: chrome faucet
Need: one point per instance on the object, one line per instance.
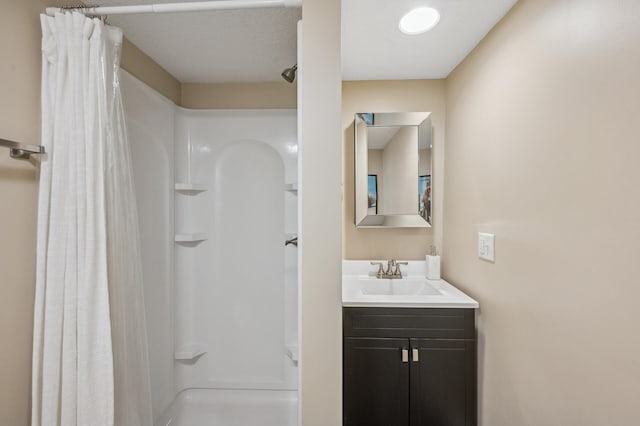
(381, 273)
(393, 269)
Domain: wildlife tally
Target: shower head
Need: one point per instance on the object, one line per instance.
(289, 74)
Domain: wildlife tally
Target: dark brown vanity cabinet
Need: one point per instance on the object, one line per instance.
(409, 367)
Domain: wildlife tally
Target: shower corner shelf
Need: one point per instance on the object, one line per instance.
(291, 187)
(191, 238)
(190, 187)
(189, 352)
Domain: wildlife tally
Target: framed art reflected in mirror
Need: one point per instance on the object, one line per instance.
(372, 193)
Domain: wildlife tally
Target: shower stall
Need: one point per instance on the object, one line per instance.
(217, 198)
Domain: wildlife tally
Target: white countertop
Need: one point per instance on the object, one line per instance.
(412, 291)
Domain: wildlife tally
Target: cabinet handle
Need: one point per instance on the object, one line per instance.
(405, 355)
(415, 355)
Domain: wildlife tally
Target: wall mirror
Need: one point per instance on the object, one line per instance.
(393, 170)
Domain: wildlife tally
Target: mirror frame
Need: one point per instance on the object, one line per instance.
(362, 121)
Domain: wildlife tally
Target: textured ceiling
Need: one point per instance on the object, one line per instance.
(248, 45)
(255, 45)
(373, 48)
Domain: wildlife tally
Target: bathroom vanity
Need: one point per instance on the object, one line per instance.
(409, 352)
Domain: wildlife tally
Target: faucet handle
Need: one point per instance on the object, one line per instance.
(397, 272)
(380, 272)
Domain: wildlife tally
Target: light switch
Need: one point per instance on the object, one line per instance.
(486, 246)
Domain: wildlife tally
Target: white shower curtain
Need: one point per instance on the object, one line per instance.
(90, 363)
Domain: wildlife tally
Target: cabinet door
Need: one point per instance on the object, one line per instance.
(443, 382)
(376, 382)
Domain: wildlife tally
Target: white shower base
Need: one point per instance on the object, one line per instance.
(225, 407)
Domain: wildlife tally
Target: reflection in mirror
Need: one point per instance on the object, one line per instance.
(393, 170)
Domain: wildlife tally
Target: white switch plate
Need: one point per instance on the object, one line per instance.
(486, 246)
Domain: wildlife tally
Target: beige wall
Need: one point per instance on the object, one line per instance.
(543, 150)
(392, 96)
(239, 95)
(19, 121)
(397, 157)
(141, 66)
(320, 255)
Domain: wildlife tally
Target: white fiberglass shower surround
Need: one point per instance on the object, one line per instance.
(216, 192)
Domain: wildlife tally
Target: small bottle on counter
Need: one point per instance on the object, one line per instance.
(433, 265)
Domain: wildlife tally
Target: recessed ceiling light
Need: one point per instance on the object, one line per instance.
(419, 20)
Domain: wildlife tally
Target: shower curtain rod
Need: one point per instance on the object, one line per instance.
(196, 6)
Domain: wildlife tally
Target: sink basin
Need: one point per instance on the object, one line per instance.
(361, 288)
(399, 287)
